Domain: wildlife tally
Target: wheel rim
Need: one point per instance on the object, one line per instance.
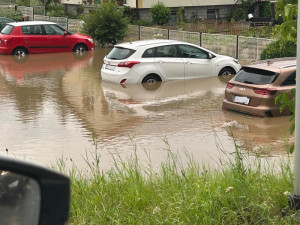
(226, 73)
(151, 81)
(20, 53)
(80, 50)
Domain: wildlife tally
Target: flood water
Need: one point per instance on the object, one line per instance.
(55, 105)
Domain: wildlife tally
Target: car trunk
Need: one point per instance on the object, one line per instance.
(250, 86)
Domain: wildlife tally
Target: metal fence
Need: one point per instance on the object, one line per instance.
(72, 25)
(243, 48)
(39, 10)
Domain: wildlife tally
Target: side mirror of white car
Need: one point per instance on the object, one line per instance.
(32, 195)
(210, 56)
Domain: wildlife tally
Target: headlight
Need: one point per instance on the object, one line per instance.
(91, 40)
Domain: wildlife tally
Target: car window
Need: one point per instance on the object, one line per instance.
(52, 29)
(192, 52)
(32, 30)
(120, 53)
(167, 51)
(255, 76)
(149, 53)
(7, 29)
(291, 80)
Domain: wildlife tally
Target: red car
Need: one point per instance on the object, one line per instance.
(30, 37)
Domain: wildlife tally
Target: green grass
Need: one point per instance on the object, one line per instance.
(241, 191)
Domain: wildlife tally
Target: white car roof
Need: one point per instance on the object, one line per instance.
(148, 43)
(24, 23)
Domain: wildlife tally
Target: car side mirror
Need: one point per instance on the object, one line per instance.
(210, 56)
(65, 33)
(31, 194)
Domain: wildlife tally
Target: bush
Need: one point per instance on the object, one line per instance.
(279, 48)
(107, 25)
(55, 9)
(11, 14)
(160, 13)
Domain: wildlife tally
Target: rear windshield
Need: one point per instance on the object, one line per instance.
(7, 29)
(120, 53)
(255, 76)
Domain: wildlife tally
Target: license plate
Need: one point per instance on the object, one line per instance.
(241, 99)
(109, 67)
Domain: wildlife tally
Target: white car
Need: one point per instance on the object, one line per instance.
(151, 61)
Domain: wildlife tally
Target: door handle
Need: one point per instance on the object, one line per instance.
(161, 62)
(188, 62)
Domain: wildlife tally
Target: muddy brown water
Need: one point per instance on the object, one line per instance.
(55, 105)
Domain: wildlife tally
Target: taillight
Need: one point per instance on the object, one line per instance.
(265, 91)
(229, 85)
(128, 64)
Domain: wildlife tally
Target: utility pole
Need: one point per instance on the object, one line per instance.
(294, 199)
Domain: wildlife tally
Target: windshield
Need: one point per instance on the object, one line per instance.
(255, 76)
(7, 29)
(120, 53)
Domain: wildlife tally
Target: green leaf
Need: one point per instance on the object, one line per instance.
(292, 128)
(292, 149)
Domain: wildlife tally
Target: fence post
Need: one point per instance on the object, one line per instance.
(237, 47)
(139, 32)
(168, 34)
(200, 39)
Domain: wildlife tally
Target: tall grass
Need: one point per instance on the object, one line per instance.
(131, 193)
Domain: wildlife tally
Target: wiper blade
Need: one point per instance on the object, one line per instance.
(248, 82)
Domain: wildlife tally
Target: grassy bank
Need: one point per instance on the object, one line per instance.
(235, 193)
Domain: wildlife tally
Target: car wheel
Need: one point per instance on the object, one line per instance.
(226, 74)
(80, 49)
(227, 71)
(20, 52)
(151, 82)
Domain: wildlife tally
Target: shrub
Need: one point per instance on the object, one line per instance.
(160, 13)
(179, 13)
(107, 25)
(55, 9)
(11, 14)
(279, 48)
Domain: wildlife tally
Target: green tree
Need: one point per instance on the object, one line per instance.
(160, 13)
(55, 9)
(180, 16)
(107, 25)
(241, 13)
(288, 10)
(11, 14)
(288, 29)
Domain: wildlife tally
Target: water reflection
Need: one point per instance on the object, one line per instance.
(54, 104)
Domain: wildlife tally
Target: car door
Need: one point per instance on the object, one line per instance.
(57, 41)
(33, 38)
(169, 63)
(197, 62)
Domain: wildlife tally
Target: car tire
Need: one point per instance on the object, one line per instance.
(80, 48)
(151, 82)
(226, 74)
(20, 52)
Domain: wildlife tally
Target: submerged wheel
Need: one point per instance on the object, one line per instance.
(227, 71)
(226, 74)
(80, 48)
(151, 82)
(20, 52)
